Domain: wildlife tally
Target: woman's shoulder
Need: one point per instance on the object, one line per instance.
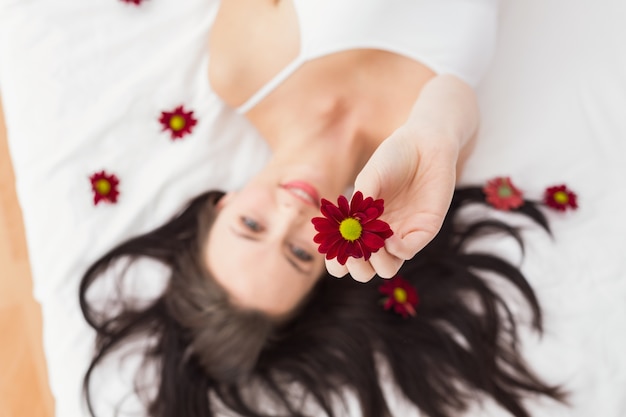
(250, 42)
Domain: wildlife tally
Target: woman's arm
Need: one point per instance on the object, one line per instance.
(447, 109)
(448, 105)
(414, 170)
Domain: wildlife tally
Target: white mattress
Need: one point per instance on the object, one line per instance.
(83, 85)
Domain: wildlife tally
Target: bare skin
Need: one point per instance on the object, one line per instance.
(373, 89)
(373, 119)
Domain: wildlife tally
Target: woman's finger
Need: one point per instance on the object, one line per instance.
(368, 181)
(407, 247)
(360, 270)
(385, 264)
(414, 234)
(335, 269)
(390, 163)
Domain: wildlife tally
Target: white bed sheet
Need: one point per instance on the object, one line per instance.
(83, 85)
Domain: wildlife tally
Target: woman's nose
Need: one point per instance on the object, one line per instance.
(290, 202)
(293, 214)
(292, 210)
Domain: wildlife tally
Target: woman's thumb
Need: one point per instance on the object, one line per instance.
(368, 182)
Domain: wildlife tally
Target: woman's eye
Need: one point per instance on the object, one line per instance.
(251, 224)
(300, 253)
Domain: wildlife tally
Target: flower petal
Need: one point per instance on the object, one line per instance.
(371, 213)
(367, 252)
(322, 224)
(329, 210)
(333, 250)
(372, 241)
(344, 207)
(379, 205)
(342, 255)
(378, 226)
(355, 203)
(329, 243)
(322, 237)
(356, 249)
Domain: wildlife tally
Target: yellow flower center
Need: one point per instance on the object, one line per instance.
(350, 229)
(561, 197)
(504, 191)
(103, 187)
(177, 122)
(400, 295)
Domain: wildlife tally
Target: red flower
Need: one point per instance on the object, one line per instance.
(400, 295)
(502, 194)
(351, 229)
(560, 198)
(104, 187)
(136, 2)
(179, 122)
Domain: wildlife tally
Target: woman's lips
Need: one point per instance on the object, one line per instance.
(303, 191)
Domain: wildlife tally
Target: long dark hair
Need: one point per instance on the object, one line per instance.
(462, 343)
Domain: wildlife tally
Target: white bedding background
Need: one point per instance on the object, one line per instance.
(83, 84)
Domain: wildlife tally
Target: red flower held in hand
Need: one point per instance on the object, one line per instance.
(179, 122)
(560, 198)
(401, 296)
(351, 229)
(104, 187)
(502, 194)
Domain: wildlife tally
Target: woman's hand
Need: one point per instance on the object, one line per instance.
(415, 175)
(414, 170)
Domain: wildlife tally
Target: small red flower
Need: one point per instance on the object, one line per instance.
(560, 198)
(179, 122)
(401, 296)
(351, 229)
(135, 2)
(104, 187)
(502, 194)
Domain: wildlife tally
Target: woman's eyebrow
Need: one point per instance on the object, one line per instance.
(256, 239)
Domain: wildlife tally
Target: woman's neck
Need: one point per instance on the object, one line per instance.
(328, 146)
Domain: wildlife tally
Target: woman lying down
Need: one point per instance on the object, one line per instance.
(254, 318)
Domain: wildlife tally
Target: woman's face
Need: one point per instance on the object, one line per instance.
(261, 249)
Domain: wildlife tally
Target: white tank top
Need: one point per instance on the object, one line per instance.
(448, 36)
